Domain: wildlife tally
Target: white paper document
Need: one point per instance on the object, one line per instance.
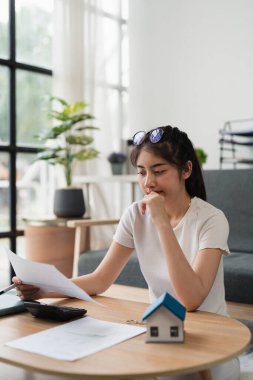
(74, 340)
(46, 276)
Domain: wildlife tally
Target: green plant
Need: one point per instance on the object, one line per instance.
(71, 142)
(201, 155)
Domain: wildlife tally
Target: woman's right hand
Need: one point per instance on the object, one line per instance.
(25, 291)
(156, 204)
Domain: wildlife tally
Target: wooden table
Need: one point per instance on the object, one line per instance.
(209, 340)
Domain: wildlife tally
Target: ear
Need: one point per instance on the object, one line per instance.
(187, 171)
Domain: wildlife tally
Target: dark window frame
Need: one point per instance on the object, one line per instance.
(11, 148)
(154, 331)
(174, 331)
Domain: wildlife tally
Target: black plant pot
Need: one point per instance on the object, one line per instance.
(69, 203)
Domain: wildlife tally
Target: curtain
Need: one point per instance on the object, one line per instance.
(68, 37)
(81, 64)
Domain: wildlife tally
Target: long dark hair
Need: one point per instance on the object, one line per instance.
(176, 148)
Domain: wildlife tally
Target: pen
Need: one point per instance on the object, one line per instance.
(7, 289)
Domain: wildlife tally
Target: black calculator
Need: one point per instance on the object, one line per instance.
(53, 312)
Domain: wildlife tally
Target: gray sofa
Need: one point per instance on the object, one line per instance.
(232, 192)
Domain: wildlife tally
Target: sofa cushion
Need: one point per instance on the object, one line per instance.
(238, 276)
(131, 274)
(237, 273)
(232, 192)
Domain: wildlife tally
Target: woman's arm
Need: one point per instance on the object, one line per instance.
(107, 271)
(93, 283)
(191, 283)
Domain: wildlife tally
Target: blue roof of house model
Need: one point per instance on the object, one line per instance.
(170, 303)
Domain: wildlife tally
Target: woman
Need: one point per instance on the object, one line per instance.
(179, 237)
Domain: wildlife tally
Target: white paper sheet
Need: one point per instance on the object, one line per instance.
(74, 340)
(46, 277)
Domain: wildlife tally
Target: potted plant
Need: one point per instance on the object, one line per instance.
(116, 160)
(201, 155)
(70, 144)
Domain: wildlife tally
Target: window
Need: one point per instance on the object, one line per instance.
(154, 331)
(25, 81)
(26, 28)
(174, 331)
(106, 30)
(4, 27)
(106, 80)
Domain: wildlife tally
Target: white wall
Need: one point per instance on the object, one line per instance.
(191, 66)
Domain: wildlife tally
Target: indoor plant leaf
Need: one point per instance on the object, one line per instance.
(69, 135)
(86, 154)
(83, 127)
(54, 132)
(79, 140)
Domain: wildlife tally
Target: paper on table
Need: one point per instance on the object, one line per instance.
(46, 277)
(74, 340)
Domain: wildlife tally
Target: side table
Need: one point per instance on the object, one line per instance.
(50, 241)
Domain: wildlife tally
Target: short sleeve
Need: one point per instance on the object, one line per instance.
(214, 233)
(124, 231)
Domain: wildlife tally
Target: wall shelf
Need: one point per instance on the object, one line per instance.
(232, 138)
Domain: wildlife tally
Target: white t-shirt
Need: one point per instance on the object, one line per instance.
(203, 226)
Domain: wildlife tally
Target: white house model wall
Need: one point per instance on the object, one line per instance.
(164, 326)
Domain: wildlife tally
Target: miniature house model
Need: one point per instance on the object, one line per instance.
(165, 320)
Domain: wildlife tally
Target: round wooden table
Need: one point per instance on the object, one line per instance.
(210, 339)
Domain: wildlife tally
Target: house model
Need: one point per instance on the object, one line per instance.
(165, 320)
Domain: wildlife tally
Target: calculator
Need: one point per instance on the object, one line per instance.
(53, 312)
